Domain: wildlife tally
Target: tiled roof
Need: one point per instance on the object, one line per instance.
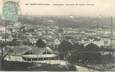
(21, 50)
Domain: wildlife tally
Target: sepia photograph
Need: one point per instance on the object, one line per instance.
(56, 39)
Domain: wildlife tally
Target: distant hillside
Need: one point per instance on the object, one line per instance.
(79, 22)
(66, 21)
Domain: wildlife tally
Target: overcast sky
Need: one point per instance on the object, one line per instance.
(99, 7)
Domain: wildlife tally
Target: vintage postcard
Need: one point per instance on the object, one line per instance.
(57, 35)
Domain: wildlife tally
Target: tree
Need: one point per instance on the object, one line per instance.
(92, 47)
(14, 42)
(4, 50)
(64, 48)
(40, 43)
(85, 55)
(78, 46)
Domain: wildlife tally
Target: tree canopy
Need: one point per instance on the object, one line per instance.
(64, 48)
(40, 43)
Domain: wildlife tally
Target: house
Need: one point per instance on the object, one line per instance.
(25, 53)
(37, 54)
